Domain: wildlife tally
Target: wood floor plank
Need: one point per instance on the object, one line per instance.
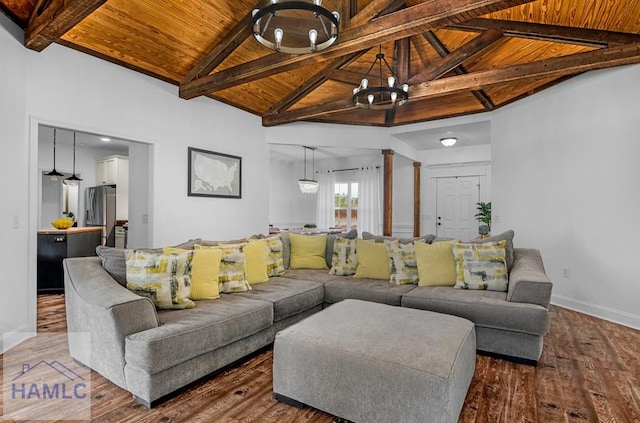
(589, 371)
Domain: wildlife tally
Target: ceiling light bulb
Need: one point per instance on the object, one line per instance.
(394, 96)
(317, 2)
(370, 98)
(364, 84)
(278, 34)
(391, 80)
(355, 91)
(104, 139)
(313, 36)
(405, 87)
(448, 141)
(337, 15)
(54, 178)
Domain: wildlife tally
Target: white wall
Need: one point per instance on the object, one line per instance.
(289, 208)
(64, 88)
(17, 304)
(140, 194)
(565, 178)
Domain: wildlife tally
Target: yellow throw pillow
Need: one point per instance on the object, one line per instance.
(205, 269)
(436, 264)
(163, 278)
(256, 254)
(373, 262)
(233, 270)
(307, 251)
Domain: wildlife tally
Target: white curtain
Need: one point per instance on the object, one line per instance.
(370, 200)
(325, 214)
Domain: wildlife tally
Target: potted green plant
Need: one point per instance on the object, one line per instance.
(484, 216)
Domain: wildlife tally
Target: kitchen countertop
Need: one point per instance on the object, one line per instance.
(54, 231)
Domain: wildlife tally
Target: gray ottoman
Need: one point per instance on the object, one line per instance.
(369, 362)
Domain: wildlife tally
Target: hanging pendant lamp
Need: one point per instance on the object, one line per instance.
(308, 186)
(54, 174)
(378, 92)
(73, 179)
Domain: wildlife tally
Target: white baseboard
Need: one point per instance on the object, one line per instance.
(15, 337)
(595, 310)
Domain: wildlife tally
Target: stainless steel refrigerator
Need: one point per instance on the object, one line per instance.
(100, 205)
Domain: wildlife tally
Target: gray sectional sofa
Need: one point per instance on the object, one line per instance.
(152, 353)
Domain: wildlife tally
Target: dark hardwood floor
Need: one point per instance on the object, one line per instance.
(589, 372)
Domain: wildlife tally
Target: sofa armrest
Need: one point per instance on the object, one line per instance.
(528, 282)
(96, 304)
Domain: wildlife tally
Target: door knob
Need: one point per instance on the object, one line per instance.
(439, 224)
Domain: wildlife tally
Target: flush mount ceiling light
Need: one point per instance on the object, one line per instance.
(448, 141)
(54, 174)
(296, 27)
(105, 139)
(387, 94)
(73, 179)
(308, 186)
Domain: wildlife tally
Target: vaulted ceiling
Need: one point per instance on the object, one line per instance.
(458, 56)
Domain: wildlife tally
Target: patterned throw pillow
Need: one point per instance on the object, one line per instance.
(344, 261)
(205, 268)
(164, 278)
(481, 266)
(402, 262)
(275, 258)
(232, 276)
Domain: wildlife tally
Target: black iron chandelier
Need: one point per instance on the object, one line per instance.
(380, 96)
(296, 27)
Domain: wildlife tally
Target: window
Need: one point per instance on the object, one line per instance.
(346, 205)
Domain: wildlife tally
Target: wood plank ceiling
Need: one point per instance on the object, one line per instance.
(458, 56)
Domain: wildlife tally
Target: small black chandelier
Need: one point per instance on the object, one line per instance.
(296, 27)
(381, 96)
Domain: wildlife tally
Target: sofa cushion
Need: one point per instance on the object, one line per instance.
(344, 261)
(308, 251)
(321, 276)
(381, 238)
(481, 266)
(484, 308)
(374, 290)
(163, 278)
(373, 262)
(185, 334)
(288, 296)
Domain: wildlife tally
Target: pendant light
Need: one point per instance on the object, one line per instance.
(54, 173)
(308, 186)
(73, 179)
(377, 92)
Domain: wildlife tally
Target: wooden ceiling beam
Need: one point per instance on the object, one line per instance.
(348, 77)
(458, 57)
(443, 51)
(553, 33)
(401, 67)
(312, 83)
(308, 112)
(222, 50)
(375, 9)
(548, 68)
(51, 19)
(401, 24)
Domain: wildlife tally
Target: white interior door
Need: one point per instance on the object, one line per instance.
(456, 207)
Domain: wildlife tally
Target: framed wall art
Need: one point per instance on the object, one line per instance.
(214, 174)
